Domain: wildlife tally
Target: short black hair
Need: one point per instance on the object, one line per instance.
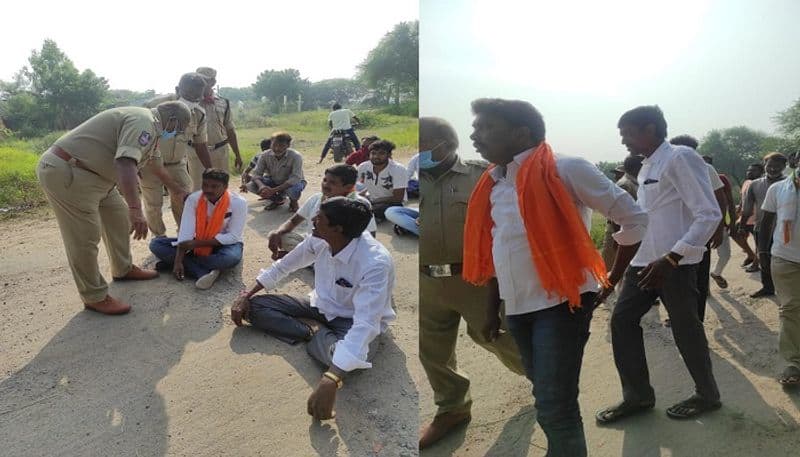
(642, 116)
(633, 164)
(708, 159)
(776, 156)
(266, 144)
(685, 140)
(346, 173)
(385, 145)
(518, 113)
(758, 165)
(438, 129)
(217, 174)
(336, 106)
(281, 137)
(350, 214)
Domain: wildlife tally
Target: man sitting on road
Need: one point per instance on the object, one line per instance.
(279, 172)
(350, 306)
(265, 145)
(384, 179)
(210, 236)
(339, 181)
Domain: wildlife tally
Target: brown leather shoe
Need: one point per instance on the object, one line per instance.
(138, 274)
(109, 305)
(441, 426)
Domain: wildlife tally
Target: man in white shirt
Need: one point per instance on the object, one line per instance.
(779, 217)
(196, 252)
(676, 192)
(384, 179)
(339, 181)
(340, 121)
(550, 332)
(350, 306)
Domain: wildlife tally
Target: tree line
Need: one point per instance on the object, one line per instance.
(50, 93)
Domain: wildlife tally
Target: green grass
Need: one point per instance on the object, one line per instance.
(18, 184)
(598, 229)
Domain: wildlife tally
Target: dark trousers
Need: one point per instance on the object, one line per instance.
(551, 343)
(679, 295)
(276, 314)
(765, 261)
(379, 210)
(703, 279)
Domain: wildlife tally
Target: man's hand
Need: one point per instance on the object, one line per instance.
(603, 294)
(138, 223)
(266, 192)
(321, 401)
(654, 275)
(274, 243)
(240, 309)
(237, 164)
(177, 270)
(188, 245)
(243, 189)
(716, 238)
(491, 328)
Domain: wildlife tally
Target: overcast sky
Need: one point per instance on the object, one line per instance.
(148, 44)
(708, 64)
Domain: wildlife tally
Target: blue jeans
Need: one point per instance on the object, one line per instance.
(405, 218)
(293, 192)
(551, 343)
(222, 257)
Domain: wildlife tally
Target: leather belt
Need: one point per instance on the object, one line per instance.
(66, 157)
(220, 144)
(441, 271)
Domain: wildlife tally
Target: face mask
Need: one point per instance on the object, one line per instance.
(168, 135)
(426, 161)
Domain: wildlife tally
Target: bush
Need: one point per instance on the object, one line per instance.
(403, 109)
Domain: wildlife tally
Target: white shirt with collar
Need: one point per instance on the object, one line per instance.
(675, 191)
(356, 283)
(311, 208)
(232, 226)
(520, 286)
(782, 199)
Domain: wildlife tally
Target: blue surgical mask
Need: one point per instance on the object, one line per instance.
(426, 161)
(168, 135)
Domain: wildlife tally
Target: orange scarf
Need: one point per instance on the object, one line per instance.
(206, 229)
(560, 246)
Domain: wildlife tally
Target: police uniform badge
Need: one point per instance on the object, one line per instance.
(144, 138)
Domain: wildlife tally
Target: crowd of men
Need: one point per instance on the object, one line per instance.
(107, 178)
(526, 276)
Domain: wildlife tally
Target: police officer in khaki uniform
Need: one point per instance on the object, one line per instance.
(82, 175)
(221, 131)
(446, 183)
(174, 152)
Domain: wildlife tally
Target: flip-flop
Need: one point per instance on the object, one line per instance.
(692, 407)
(790, 377)
(620, 411)
(721, 282)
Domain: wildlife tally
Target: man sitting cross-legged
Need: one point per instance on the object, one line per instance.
(339, 181)
(351, 303)
(210, 236)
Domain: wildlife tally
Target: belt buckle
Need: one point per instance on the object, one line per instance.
(440, 271)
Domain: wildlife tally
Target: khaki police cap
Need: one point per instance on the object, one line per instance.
(208, 72)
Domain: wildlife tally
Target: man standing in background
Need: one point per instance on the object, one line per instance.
(219, 120)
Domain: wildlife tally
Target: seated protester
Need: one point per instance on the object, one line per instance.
(278, 173)
(384, 179)
(350, 306)
(265, 145)
(339, 181)
(210, 236)
(361, 155)
(405, 220)
(413, 183)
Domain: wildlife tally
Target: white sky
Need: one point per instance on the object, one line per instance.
(148, 44)
(707, 63)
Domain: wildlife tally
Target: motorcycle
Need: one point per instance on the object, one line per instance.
(341, 145)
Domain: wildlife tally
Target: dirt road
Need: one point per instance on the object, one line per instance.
(758, 418)
(175, 376)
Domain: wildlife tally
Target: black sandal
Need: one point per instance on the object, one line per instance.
(620, 411)
(790, 377)
(692, 407)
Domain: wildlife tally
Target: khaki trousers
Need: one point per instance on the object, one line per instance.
(443, 303)
(88, 208)
(219, 159)
(153, 195)
(786, 276)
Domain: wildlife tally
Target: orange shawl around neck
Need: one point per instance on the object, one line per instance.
(205, 228)
(561, 248)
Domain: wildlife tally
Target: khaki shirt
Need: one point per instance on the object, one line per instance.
(288, 168)
(443, 210)
(176, 149)
(219, 120)
(112, 134)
